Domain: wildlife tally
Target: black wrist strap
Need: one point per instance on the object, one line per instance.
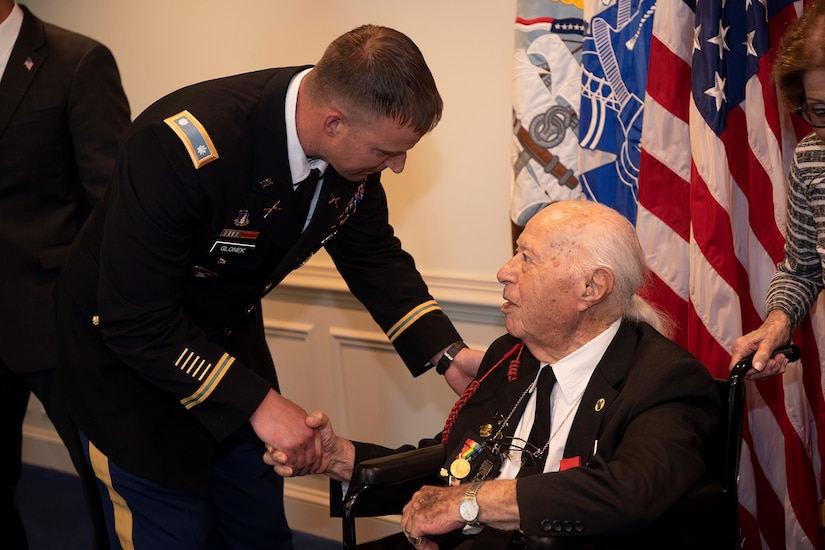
(448, 356)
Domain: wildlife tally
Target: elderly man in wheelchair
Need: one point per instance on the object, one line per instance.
(584, 422)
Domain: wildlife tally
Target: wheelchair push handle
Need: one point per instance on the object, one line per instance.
(789, 350)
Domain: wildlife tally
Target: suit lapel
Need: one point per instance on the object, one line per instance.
(24, 62)
(600, 393)
(272, 197)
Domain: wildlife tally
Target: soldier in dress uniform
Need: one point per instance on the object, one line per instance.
(220, 190)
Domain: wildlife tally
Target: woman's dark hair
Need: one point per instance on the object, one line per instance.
(802, 49)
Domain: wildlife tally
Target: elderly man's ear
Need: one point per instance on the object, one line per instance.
(598, 286)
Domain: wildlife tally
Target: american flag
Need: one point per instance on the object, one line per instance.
(716, 144)
(716, 147)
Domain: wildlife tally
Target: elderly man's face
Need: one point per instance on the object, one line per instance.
(542, 293)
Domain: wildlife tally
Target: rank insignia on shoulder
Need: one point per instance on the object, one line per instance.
(194, 137)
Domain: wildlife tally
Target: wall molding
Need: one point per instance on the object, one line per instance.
(321, 324)
(464, 299)
(43, 447)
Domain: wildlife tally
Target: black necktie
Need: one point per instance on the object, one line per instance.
(302, 196)
(540, 432)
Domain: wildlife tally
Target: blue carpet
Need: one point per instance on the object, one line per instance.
(54, 515)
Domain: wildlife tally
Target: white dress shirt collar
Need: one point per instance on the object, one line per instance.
(574, 371)
(9, 30)
(299, 164)
(572, 376)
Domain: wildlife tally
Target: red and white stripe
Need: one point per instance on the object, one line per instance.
(711, 217)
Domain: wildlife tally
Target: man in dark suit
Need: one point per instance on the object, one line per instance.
(62, 112)
(221, 189)
(603, 449)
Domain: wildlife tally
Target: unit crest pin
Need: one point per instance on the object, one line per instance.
(242, 219)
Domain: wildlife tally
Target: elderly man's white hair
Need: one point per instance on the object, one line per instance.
(606, 239)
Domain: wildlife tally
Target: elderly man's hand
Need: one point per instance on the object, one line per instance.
(432, 511)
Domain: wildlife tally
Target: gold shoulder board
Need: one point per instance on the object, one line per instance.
(193, 135)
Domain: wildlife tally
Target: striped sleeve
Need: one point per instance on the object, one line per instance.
(798, 279)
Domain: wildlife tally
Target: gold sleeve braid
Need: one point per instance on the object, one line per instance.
(410, 318)
(204, 372)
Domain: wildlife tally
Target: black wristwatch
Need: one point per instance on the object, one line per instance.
(448, 356)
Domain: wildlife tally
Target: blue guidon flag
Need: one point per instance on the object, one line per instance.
(614, 73)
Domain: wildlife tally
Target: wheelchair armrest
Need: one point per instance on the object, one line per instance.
(402, 472)
(397, 468)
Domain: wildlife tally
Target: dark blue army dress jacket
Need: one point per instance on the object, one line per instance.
(161, 298)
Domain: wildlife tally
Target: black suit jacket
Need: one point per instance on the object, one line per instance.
(649, 404)
(173, 266)
(62, 112)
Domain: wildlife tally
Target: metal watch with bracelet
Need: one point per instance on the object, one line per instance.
(468, 509)
(448, 356)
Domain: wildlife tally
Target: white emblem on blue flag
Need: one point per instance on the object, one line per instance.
(546, 92)
(614, 66)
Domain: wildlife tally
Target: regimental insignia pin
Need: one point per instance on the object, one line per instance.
(242, 219)
(599, 404)
(486, 430)
(334, 200)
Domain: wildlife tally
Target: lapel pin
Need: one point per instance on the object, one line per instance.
(28, 63)
(266, 183)
(599, 404)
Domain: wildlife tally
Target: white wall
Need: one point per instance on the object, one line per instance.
(449, 207)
